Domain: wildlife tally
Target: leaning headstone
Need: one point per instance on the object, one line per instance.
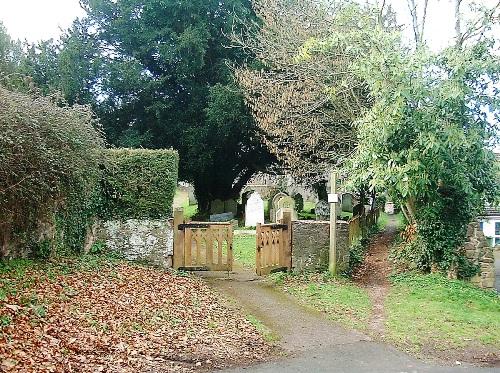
(216, 207)
(322, 210)
(231, 206)
(192, 197)
(227, 216)
(347, 202)
(254, 211)
(281, 212)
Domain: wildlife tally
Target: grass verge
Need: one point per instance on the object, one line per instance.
(431, 310)
(341, 300)
(244, 250)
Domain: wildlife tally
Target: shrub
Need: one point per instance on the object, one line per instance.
(49, 163)
(139, 183)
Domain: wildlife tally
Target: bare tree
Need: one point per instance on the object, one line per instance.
(303, 94)
(479, 20)
(418, 22)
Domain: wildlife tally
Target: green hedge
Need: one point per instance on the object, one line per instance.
(139, 183)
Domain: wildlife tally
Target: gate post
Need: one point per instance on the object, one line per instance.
(178, 239)
(258, 254)
(286, 249)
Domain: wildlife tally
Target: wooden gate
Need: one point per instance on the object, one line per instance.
(274, 243)
(202, 246)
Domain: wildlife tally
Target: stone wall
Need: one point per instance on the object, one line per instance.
(311, 245)
(480, 253)
(140, 240)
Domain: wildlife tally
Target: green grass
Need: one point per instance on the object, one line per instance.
(181, 199)
(432, 310)
(267, 333)
(308, 206)
(341, 300)
(382, 221)
(244, 250)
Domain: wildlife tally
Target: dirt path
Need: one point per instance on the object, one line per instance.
(308, 341)
(374, 272)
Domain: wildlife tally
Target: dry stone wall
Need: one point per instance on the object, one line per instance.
(311, 245)
(480, 253)
(140, 240)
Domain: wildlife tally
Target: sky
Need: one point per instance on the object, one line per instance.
(36, 20)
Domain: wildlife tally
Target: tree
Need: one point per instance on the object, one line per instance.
(10, 53)
(305, 102)
(156, 74)
(424, 141)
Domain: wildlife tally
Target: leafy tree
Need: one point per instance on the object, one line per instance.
(156, 73)
(10, 53)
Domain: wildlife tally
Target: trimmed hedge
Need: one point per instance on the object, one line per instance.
(139, 183)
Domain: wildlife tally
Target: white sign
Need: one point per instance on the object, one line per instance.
(333, 198)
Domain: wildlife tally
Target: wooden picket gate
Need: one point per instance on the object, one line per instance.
(274, 246)
(202, 246)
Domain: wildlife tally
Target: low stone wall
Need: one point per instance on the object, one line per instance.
(311, 245)
(140, 240)
(480, 253)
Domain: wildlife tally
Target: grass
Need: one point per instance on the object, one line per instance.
(382, 221)
(244, 250)
(268, 334)
(431, 310)
(181, 199)
(341, 300)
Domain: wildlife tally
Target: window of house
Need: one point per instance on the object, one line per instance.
(497, 241)
(497, 228)
(481, 225)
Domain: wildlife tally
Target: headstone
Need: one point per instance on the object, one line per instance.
(216, 207)
(389, 208)
(322, 210)
(272, 206)
(226, 216)
(281, 212)
(286, 202)
(254, 210)
(358, 210)
(299, 202)
(191, 195)
(231, 206)
(347, 202)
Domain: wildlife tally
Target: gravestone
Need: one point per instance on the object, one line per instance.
(254, 211)
(272, 206)
(216, 207)
(281, 212)
(227, 216)
(231, 206)
(192, 197)
(322, 210)
(347, 202)
(286, 202)
(299, 202)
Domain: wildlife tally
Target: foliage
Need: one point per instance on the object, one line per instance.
(80, 303)
(430, 310)
(156, 75)
(305, 102)
(10, 54)
(424, 140)
(49, 168)
(341, 300)
(140, 183)
(299, 202)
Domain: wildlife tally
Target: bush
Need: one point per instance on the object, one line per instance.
(140, 183)
(49, 158)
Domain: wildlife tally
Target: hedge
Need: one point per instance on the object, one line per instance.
(49, 163)
(139, 183)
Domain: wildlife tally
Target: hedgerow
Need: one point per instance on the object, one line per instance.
(49, 172)
(139, 183)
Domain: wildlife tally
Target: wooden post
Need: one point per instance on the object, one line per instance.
(287, 243)
(258, 253)
(332, 267)
(178, 261)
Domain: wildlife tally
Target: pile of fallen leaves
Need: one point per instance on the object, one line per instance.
(118, 318)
